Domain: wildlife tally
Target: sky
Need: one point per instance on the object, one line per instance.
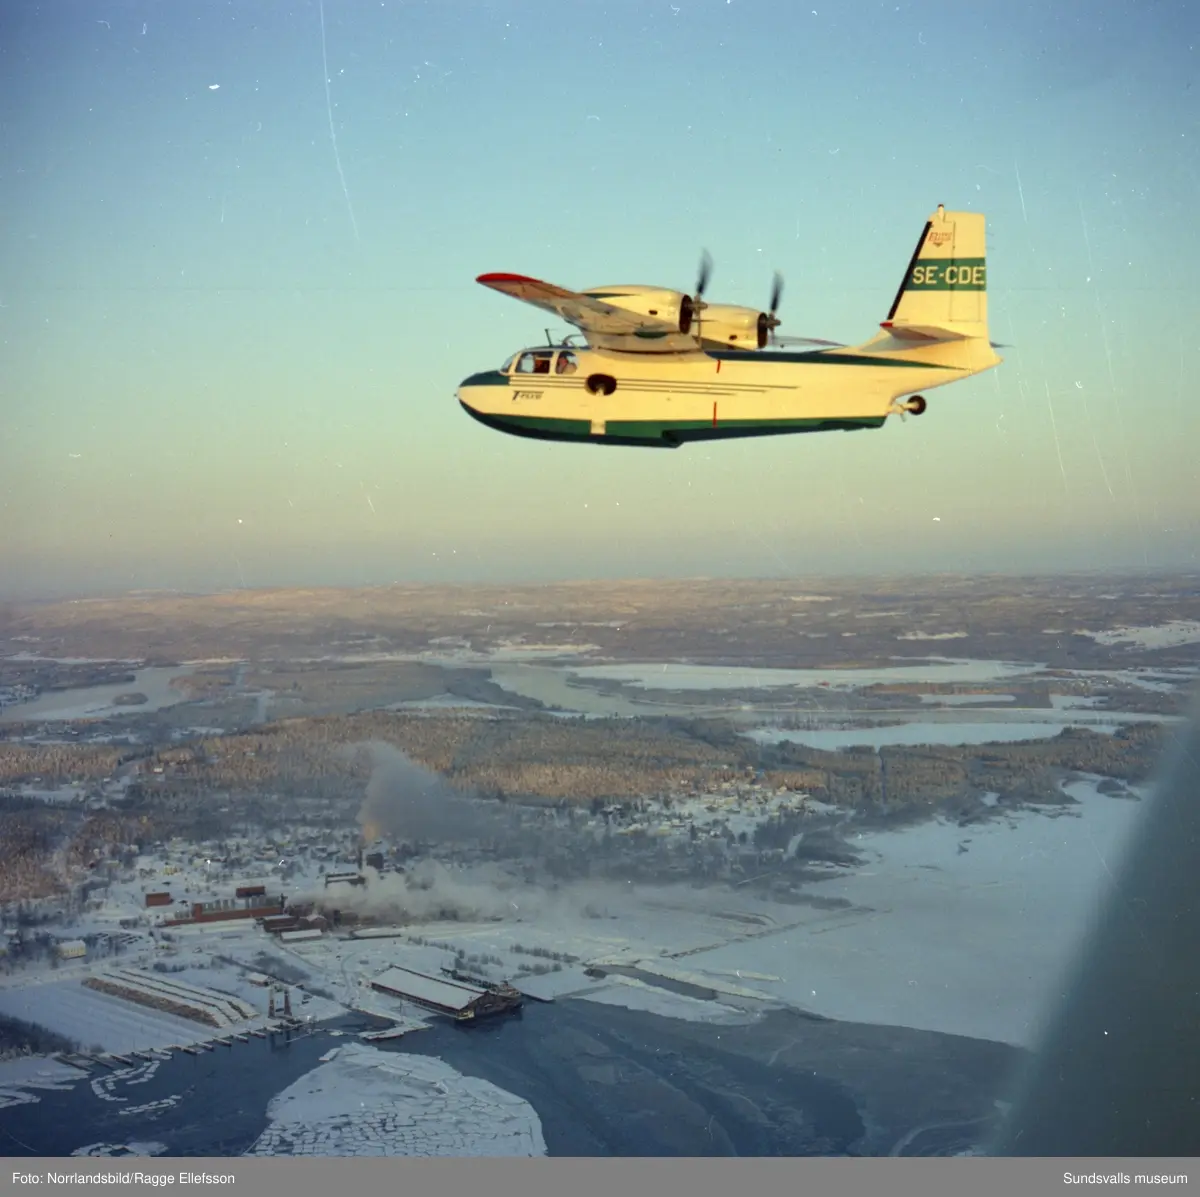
(239, 242)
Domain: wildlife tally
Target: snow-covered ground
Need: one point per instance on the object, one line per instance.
(1158, 681)
(213, 972)
(1169, 635)
(950, 929)
(637, 995)
(943, 928)
(948, 734)
(719, 677)
(364, 1102)
(455, 652)
(567, 686)
(94, 1019)
(60, 1002)
(443, 702)
(28, 656)
(961, 930)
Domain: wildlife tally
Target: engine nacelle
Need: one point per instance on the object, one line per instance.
(737, 327)
(672, 307)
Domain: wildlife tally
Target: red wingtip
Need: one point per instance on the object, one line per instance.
(502, 277)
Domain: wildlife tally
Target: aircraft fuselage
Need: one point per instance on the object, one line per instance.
(622, 398)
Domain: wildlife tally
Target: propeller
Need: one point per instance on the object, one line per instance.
(705, 274)
(776, 294)
(769, 322)
(695, 305)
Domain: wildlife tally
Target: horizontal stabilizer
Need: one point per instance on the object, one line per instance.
(924, 332)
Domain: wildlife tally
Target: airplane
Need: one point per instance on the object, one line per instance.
(661, 368)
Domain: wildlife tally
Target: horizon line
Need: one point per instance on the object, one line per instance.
(1114, 573)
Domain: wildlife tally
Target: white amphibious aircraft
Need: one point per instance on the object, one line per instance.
(660, 368)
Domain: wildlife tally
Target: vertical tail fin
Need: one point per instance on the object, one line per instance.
(944, 293)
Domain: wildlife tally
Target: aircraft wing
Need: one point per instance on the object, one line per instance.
(603, 324)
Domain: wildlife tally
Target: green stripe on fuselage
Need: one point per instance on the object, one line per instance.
(662, 434)
(685, 430)
(948, 274)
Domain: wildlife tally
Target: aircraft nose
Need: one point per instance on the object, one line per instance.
(484, 378)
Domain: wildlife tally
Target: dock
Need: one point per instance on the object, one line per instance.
(78, 1060)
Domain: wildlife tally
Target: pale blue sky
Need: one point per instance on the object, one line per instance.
(220, 367)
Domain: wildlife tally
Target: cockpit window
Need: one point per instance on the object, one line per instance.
(567, 363)
(535, 362)
(508, 364)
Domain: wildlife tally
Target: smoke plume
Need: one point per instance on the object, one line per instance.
(405, 803)
(428, 892)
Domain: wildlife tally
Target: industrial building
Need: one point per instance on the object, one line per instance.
(450, 998)
(344, 879)
(252, 907)
(71, 949)
(281, 924)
